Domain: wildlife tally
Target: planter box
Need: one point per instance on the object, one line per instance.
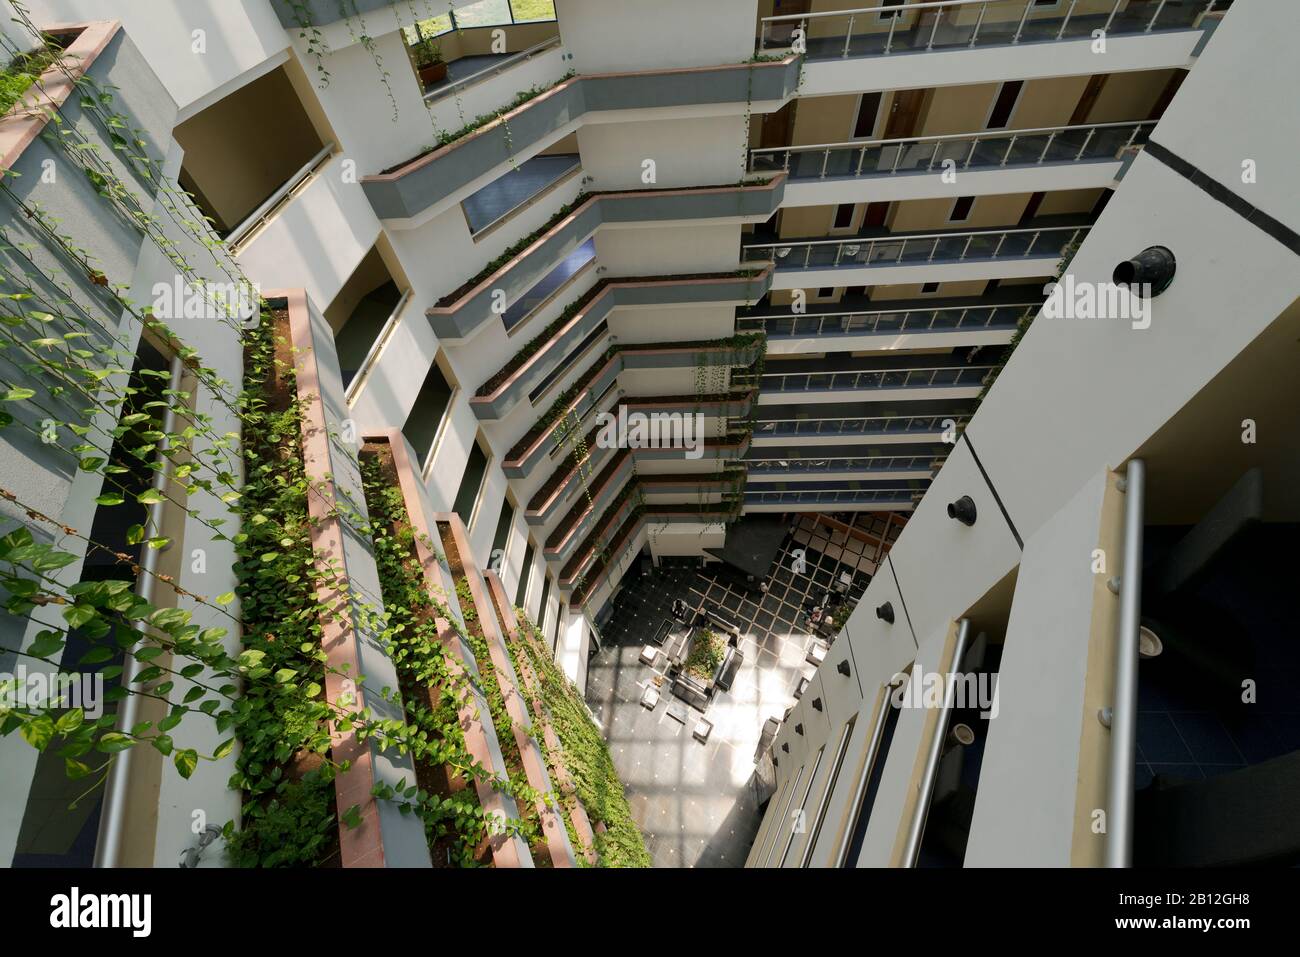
(481, 737)
(431, 74)
(385, 836)
(756, 203)
(628, 294)
(424, 181)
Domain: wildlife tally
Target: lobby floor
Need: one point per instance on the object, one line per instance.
(695, 802)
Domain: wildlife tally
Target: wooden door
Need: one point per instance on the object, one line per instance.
(778, 127)
(875, 215)
(1088, 100)
(904, 114)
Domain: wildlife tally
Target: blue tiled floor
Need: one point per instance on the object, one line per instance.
(1191, 730)
(515, 188)
(547, 285)
(466, 66)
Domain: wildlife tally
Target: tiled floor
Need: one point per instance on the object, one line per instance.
(1188, 730)
(511, 190)
(463, 67)
(694, 802)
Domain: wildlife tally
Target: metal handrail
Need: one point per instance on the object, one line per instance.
(876, 378)
(830, 496)
(112, 821)
(916, 829)
(896, 320)
(893, 13)
(496, 68)
(885, 312)
(902, 249)
(381, 340)
(1123, 713)
(883, 8)
(934, 421)
(884, 463)
(902, 237)
(1001, 149)
(238, 236)
(887, 689)
(947, 137)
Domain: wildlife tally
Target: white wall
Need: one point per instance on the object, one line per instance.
(1028, 819)
(687, 152)
(317, 240)
(240, 35)
(665, 251)
(614, 36)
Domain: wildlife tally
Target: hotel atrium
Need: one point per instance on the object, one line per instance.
(590, 433)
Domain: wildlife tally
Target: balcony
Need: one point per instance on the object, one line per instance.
(891, 329)
(827, 430)
(611, 491)
(426, 183)
(901, 46)
(844, 499)
(473, 66)
(921, 257)
(579, 400)
(539, 265)
(853, 467)
(930, 381)
(601, 490)
(586, 571)
(545, 359)
(995, 162)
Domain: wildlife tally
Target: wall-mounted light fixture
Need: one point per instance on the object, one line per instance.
(886, 613)
(963, 510)
(843, 668)
(1152, 268)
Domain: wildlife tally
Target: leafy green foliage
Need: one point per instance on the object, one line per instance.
(432, 695)
(585, 755)
(281, 723)
(707, 652)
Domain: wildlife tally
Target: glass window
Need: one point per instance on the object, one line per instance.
(528, 10)
(525, 573)
(471, 484)
(485, 13)
(425, 421)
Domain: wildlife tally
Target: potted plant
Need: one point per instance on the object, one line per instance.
(429, 62)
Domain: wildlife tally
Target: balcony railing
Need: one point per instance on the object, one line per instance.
(986, 150)
(891, 321)
(986, 244)
(866, 463)
(493, 69)
(242, 235)
(950, 24)
(869, 425)
(943, 377)
(846, 496)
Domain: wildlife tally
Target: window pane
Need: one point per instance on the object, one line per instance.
(431, 27)
(471, 484)
(533, 10)
(485, 13)
(502, 536)
(423, 423)
(525, 573)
